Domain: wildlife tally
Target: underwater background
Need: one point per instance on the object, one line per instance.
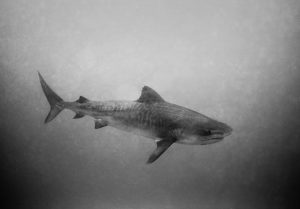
(235, 61)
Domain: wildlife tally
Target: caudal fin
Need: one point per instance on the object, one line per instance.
(54, 100)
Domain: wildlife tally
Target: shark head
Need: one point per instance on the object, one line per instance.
(208, 132)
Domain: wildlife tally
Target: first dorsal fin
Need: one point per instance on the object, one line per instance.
(148, 95)
(82, 100)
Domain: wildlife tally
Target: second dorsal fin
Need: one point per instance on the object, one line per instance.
(82, 100)
(148, 95)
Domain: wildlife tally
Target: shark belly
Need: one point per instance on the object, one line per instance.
(130, 126)
(127, 116)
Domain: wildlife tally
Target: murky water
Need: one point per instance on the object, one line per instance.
(235, 61)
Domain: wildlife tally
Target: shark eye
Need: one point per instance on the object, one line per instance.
(205, 132)
(208, 132)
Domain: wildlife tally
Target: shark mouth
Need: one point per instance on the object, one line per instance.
(216, 134)
(218, 137)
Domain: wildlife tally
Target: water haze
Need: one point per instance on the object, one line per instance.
(235, 61)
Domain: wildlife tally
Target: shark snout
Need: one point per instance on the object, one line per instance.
(226, 130)
(221, 132)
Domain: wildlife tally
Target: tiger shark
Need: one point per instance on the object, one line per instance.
(149, 116)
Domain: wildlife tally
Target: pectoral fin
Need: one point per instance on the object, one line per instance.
(100, 123)
(162, 146)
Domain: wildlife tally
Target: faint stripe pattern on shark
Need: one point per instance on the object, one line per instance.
(150, 116)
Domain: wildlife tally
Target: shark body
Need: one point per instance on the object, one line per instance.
(150, 116)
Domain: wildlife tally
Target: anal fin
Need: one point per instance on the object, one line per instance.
(78, 115)
(99, 123)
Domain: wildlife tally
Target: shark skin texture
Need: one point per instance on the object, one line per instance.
(149, 116)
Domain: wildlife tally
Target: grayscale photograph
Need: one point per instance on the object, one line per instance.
(139, 104)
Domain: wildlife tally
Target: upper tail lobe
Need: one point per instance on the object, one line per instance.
(54, 100)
